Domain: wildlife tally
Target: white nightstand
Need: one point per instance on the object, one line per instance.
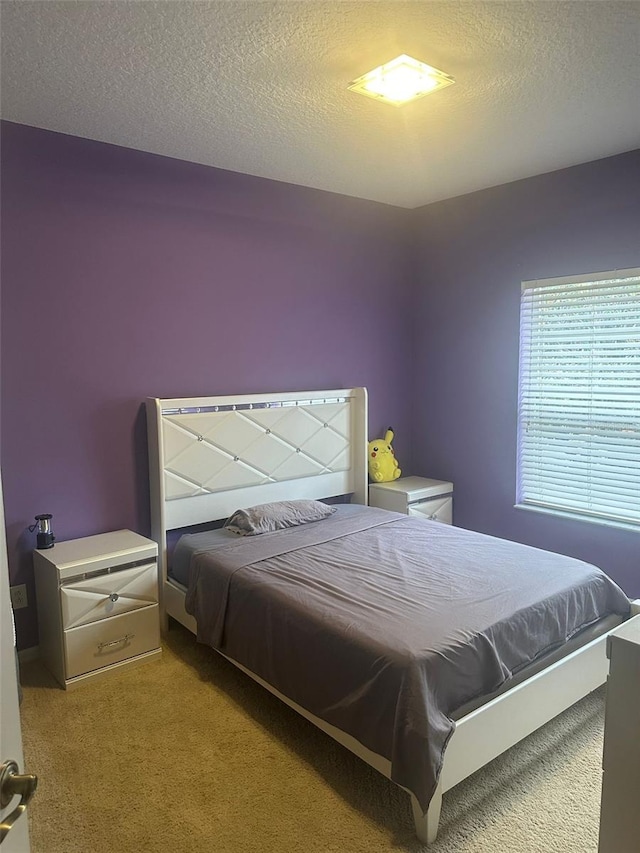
(415, 496)
(97, 605)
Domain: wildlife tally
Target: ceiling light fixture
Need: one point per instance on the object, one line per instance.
(402, 80)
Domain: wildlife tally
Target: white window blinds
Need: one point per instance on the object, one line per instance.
(579, 396)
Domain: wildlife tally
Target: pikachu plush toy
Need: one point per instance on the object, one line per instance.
(383, 465)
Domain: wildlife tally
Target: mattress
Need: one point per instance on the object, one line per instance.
(383, 625)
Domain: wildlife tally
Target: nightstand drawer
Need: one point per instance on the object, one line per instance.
(108, 594)
(436, 509)
(108, 641)
(418, 496)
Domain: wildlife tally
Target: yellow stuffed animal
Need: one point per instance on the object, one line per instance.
(383, 465)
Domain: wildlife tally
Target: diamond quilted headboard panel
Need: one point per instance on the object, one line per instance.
(217, 451)
(210, 456)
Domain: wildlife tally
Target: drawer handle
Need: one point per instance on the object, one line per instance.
(124, 639)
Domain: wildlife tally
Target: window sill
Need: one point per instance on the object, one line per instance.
(575, 516)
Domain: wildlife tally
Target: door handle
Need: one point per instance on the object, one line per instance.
(14, 784)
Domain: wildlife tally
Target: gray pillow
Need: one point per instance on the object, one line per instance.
(265, 518)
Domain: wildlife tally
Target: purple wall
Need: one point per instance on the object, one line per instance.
(126, 275)
(473, 253)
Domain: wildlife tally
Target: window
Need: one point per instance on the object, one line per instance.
(579, 397)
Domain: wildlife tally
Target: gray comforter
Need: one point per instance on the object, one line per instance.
(383, 625)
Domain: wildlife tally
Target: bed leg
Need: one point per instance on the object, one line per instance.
(427, 824)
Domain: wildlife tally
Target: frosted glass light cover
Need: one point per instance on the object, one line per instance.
(402, 80)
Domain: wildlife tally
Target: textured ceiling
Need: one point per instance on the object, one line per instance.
(260, 87)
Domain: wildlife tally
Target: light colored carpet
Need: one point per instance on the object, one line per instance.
(188, 755)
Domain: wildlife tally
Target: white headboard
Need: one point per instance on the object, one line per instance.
(209, 456)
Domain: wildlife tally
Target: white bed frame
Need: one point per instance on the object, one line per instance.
(209, 456)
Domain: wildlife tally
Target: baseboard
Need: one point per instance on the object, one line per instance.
(27, 655)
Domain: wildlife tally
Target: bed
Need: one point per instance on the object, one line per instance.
(309, 611)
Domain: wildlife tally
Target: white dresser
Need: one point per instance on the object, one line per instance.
(619, 827)
(97, 605)
(419, 496)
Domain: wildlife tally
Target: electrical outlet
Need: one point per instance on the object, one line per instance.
(19, 596)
